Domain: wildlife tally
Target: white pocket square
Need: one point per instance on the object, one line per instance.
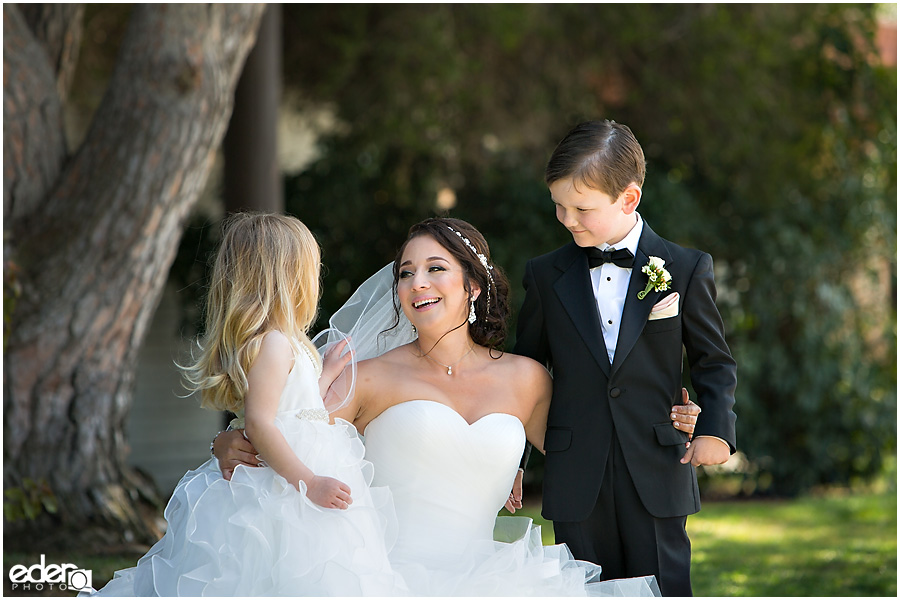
(665, 308)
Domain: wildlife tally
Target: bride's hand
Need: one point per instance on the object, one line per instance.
(514, 502)
(684, 416)
(328, 492)
(231, 449)
(333, 365)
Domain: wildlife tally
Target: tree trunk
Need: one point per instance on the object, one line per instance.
(94, 258)
(252, 179)
(58, 27)
(34, 146)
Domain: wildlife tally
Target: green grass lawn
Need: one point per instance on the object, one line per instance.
(817, 546)
(831, 545)
(834, 545)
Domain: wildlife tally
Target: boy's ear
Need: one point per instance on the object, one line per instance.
(631, 197)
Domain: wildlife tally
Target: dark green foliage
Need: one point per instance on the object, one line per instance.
(29, 501)
(770, 135)
(191, 270)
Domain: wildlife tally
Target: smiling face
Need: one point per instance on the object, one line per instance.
(431, 286)
(592, 217)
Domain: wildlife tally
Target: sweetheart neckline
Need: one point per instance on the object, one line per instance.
(448, 407)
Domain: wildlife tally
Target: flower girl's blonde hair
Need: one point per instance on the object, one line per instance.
(265, 278)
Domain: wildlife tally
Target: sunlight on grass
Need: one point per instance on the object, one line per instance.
(837, 545)
(815, 546)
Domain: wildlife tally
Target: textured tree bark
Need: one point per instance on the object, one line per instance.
(34, 146)
(59, 28)
(94, 258)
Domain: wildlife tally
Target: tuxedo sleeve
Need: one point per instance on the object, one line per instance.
(713, 370)
(531, 336)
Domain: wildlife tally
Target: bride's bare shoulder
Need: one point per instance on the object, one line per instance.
(523, 364)
(526, 371)
(392, 359)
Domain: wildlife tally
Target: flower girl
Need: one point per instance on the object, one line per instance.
(308, 522)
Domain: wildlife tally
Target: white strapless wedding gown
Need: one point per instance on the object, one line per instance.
(258, 536)
(449, 479)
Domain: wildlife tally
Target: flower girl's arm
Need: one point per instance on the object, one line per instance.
(266, 381)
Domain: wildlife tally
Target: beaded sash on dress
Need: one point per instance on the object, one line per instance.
(313, 414)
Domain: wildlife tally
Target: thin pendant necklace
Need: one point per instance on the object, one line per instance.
(437, 362)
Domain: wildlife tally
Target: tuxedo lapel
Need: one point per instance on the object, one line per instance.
(575, 292)
(635, 312)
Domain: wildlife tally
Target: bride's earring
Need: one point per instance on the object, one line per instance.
(472, 316)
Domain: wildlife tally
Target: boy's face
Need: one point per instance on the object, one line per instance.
(591, 216)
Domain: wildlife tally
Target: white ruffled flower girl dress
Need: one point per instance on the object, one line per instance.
(258, 536)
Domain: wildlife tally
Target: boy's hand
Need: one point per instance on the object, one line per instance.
(706, 451)
(328, 492)
(514, 502)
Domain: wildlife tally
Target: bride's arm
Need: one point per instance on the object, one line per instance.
(231, 449)
(349, 399)
(265, 382)
(341, 399)
(533, 399)
(344, 397)
(539, 386)
(333, 366)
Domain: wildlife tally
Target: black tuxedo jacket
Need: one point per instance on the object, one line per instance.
(559, 326)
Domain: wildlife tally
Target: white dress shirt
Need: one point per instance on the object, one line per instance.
(610, 284)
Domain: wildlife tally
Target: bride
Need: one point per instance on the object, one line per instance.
(445, 416)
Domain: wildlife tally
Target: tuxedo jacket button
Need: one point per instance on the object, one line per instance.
(614, 393)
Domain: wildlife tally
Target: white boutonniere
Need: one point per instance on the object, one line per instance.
(659, 278)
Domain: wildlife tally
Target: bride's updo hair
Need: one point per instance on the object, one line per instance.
(489, 328)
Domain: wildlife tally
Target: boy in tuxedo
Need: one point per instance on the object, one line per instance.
(618, 484)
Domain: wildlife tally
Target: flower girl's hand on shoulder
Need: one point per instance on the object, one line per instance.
(333, 364)
(328, 492)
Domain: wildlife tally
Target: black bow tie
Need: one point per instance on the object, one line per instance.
(621, 257)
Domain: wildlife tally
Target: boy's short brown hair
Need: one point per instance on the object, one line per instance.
(604, 155)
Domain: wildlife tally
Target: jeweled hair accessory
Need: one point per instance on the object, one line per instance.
(482, 258)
